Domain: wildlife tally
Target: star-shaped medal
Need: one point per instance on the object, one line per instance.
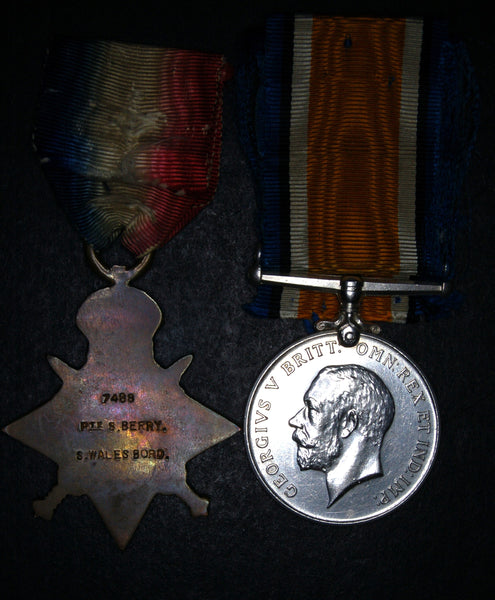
(121, 428)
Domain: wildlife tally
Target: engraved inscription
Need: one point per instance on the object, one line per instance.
(297, 359)
(126, 429)
(418, 457)
(272, 385)
(424, 421)
(117, 397)
(394, 490)
(402, 372)
(124, 454)
(261, 442)
(155, 425)
(417, 461)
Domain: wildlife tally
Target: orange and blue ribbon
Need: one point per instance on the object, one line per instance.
(130, 138)
(359, 132)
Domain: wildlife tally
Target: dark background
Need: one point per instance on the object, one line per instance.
(437, 545)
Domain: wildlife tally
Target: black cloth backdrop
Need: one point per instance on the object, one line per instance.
(437, 545)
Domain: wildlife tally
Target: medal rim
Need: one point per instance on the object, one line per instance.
(387, 509)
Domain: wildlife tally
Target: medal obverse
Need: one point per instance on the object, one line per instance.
(121, 428)
(341, 434)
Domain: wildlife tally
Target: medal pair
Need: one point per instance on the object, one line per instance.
(358, 132)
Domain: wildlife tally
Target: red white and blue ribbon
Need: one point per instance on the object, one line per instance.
(130, 138)
(359, 132)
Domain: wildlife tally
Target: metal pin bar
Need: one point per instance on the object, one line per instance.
(370, 286)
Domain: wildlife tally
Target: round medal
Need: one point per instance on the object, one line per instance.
(341, 434)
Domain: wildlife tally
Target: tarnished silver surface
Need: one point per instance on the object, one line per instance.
(121, 428)
(341, 434)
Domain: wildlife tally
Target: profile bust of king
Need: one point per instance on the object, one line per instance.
(340, 429)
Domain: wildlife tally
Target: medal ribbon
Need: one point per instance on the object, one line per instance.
(130, 138)
(359, 132)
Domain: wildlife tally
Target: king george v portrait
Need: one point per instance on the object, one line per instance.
(347, 411)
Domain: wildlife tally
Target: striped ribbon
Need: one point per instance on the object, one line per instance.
(130, 138)
(359, 132)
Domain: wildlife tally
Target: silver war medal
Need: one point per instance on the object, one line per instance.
(341, 426)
